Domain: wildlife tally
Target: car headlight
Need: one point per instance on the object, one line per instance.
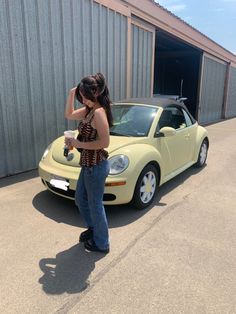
(46, 152)
(118, 164)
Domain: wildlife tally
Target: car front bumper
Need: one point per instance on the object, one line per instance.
(118, 189)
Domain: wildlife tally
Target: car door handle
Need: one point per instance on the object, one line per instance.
(187, 136)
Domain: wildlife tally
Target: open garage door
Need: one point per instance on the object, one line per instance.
(177, 67)
(212, 89)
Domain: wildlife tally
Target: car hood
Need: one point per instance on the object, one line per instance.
(116, 142)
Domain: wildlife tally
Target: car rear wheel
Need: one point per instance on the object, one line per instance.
(202, 154)
(145, 188)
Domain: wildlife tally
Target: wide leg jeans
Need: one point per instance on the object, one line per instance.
(89, 199)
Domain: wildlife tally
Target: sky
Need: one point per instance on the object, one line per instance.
(214, 18)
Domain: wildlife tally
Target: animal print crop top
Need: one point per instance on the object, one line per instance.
(89, 157)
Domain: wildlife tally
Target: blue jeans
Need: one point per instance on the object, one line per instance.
(89, 197)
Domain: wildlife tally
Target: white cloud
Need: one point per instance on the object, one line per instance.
(176, 7)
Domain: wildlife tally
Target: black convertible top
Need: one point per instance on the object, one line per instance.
(159, 101)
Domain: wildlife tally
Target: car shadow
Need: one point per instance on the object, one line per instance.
(59, 209)
(63, 210)
(69, 271)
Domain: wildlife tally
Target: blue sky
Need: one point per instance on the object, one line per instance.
(214, 18)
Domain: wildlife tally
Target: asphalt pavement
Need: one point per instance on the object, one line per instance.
(177, 256)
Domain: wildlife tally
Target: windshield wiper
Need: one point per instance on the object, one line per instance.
(118, 134)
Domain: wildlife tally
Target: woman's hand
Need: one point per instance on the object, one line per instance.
(72, 90)
(72, 142)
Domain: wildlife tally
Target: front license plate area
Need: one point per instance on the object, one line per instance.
(59, 182)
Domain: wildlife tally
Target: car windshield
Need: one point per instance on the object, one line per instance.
(132, 120)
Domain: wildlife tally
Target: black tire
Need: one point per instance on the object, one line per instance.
(142, 199)
(202, 156)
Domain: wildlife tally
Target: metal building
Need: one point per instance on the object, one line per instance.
(142, 49)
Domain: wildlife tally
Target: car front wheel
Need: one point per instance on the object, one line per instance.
(145, 188)
(202, 154)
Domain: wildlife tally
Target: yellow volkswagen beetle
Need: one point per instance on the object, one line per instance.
(152, 141)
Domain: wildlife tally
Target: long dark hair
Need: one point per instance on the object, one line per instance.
(94, 88)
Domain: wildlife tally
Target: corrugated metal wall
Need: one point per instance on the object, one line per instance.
(46, 48)
(212, 90)
(142, 50)
(231, 102)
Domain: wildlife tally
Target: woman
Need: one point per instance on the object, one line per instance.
(96, 118)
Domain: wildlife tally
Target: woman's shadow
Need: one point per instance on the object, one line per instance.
(68, 271)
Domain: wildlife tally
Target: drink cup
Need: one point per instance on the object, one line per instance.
(69, 134)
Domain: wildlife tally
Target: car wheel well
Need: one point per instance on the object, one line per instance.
(157, 166)
(207, 140)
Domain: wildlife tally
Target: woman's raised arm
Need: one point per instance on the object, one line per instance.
(70, 112)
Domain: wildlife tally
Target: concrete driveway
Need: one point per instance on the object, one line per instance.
(178, 256)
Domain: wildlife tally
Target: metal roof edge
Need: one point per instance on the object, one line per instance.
(143, 9)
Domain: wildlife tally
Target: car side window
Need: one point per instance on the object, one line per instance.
(187, 118)
(165, 119)
(172, 117)
(178, 119)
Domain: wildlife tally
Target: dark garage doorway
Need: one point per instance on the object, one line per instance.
(177, 64)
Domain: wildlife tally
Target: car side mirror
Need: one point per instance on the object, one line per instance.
(166, 131)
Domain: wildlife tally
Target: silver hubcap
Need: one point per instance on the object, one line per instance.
(148, 187)
(203, 153)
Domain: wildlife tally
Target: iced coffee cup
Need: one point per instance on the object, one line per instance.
(69, 134)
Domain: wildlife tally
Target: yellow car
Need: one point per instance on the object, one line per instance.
(152, 140)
